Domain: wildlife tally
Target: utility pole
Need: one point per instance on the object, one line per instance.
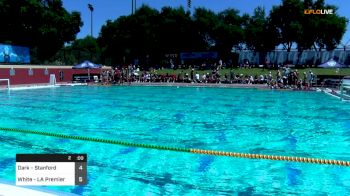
(132, 7)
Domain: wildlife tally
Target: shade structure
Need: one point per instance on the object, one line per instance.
(332, 64)
(87, 65)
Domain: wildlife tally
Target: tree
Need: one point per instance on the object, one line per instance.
(259, 35)
(287, 18)
(113, 40)
(148, 34)
(86, 48)
(204, 21)
(129, 37)
(329, 28)
(307, 31)
(142, 26)
(43, 25)
(228, 32)
(176, 31)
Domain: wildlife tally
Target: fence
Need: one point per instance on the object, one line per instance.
(294, 57)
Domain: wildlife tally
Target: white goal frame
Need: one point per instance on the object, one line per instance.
(8, 82)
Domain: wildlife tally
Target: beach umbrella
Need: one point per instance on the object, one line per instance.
(87, 65)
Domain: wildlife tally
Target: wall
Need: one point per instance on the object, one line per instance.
(22, 77)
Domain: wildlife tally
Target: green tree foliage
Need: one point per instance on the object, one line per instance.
(204, 21)
(228, 32)
(329, 28)
(130, 37)
(42, 25)
(78, 51)
(149, 34)
(113, 40)
(175, 31)
(87, 45)
(287, 20)
(45, 26)
(260, 35)
(307, 31)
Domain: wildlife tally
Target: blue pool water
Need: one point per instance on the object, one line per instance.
(309, 124)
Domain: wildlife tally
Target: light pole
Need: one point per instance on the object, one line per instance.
(189, 4)
(91, 8)
(133, 6)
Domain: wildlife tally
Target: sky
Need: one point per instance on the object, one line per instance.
(111, 9)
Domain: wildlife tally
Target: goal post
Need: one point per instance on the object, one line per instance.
(52, 79)
(6, 81)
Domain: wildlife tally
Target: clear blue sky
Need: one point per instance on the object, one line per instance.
(112, 9)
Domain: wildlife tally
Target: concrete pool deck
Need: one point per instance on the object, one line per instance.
(148, 84)
(204, 85)
(9, 189)
(260, 86)
(39, 86)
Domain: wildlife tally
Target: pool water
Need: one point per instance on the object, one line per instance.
(310, 124)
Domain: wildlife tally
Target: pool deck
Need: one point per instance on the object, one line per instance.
(199, 85)
(213, 85)
(10, 189)
(39, 86)
(149, 84)
(160, 84)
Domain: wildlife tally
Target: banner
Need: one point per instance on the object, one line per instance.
(307, 57)
(14, 54)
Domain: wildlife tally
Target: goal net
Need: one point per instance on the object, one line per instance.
(4, 83)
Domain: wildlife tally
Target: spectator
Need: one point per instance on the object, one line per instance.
(226, 78)
(197, 78)
(204, 78)
(192, 75)
(232, 76)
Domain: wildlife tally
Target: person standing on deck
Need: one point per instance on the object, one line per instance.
(192, 75)
(232, 76)
(122, 75)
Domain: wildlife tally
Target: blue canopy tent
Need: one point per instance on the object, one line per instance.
(87, 65)
(332, 64)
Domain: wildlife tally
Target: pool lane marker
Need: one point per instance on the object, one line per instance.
(188, 150)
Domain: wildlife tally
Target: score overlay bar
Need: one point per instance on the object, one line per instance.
(51, 169)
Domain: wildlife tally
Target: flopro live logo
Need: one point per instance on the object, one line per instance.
(318, 11)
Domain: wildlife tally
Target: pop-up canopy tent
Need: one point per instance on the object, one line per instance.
(87, 65)
(332, 64)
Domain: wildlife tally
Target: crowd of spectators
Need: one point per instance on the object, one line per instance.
(284, 78)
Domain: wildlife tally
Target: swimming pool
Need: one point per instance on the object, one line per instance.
(309, 124)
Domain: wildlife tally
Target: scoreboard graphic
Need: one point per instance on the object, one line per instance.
(51, 169)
